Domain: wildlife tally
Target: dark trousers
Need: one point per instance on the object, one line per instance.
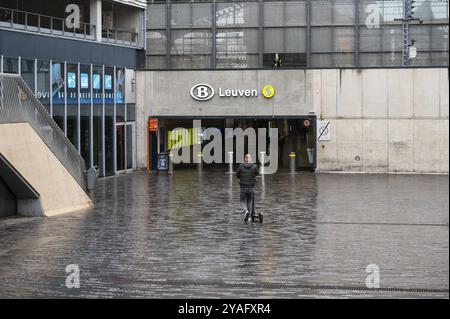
(247, 193)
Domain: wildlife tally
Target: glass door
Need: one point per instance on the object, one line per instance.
(130, 145)
(120, 147)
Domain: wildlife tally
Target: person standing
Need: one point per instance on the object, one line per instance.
(247, 173)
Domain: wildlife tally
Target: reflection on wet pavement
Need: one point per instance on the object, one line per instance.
(162, 236)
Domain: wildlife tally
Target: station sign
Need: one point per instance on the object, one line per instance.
(205, 92)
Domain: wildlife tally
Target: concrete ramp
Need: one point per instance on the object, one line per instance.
(36, 150)
(19, 197)
(27, 153)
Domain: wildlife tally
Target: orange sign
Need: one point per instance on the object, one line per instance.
(153, 125)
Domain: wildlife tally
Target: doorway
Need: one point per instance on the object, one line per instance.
(296, 135)
(125, 146)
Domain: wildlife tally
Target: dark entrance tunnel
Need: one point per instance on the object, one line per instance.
(295, 135)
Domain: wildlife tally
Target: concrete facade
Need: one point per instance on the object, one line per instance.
(381, 120)
(59, 192)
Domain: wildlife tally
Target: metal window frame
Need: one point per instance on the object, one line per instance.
(356, 25)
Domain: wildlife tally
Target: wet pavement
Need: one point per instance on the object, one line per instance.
(182, 236)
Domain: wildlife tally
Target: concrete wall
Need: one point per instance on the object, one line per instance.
(392, 120)
(171, 93)
(25, 150)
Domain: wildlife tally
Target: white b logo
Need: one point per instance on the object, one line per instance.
(202, 92)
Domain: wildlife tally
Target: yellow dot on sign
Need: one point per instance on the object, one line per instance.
(268, 91)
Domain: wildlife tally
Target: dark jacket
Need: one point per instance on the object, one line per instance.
(247, 173)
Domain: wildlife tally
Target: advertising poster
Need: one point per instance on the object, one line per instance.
(72, 84)
(109, 85)
(85, 88)
(120, 86)
(97, 87)
(58, 83)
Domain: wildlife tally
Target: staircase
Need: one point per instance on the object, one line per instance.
(20, 110)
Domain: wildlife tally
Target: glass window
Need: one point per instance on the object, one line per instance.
(237, 48)
(156, 16)
(191, 61)
(72, 83)
(191, 42)
(108, 83)
(27, 72)
(380, 59)
(85, 133)
(191, 15)
(332, 12)
(85, 84)
(156, 62)
(109, 139)
(284, 13)
(72, 103)
(130, 139)
(131, 112)
(10, 65)
(288, 43)
(72, 123)
(97, 82)
(58, 93)
(326, 39)
(286, 40)
(371, 11)
(156, 42)
(120, 86)
(384, 39)
(332, 60)
(120, 112)
(43, 83)
(237, 14)
(439, 58)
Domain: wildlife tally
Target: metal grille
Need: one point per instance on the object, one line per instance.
(18, 105)
(306, 33)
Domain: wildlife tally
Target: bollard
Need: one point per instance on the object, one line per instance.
(200, 162)
(230, 161)
(170, 163)
(310, 155)
(292, 157)
(262, 160)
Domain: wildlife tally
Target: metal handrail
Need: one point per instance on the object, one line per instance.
(134, 36)
(57, 26)
(86, 30)
(18, 104)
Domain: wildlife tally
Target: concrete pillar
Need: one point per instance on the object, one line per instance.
(96, 18)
